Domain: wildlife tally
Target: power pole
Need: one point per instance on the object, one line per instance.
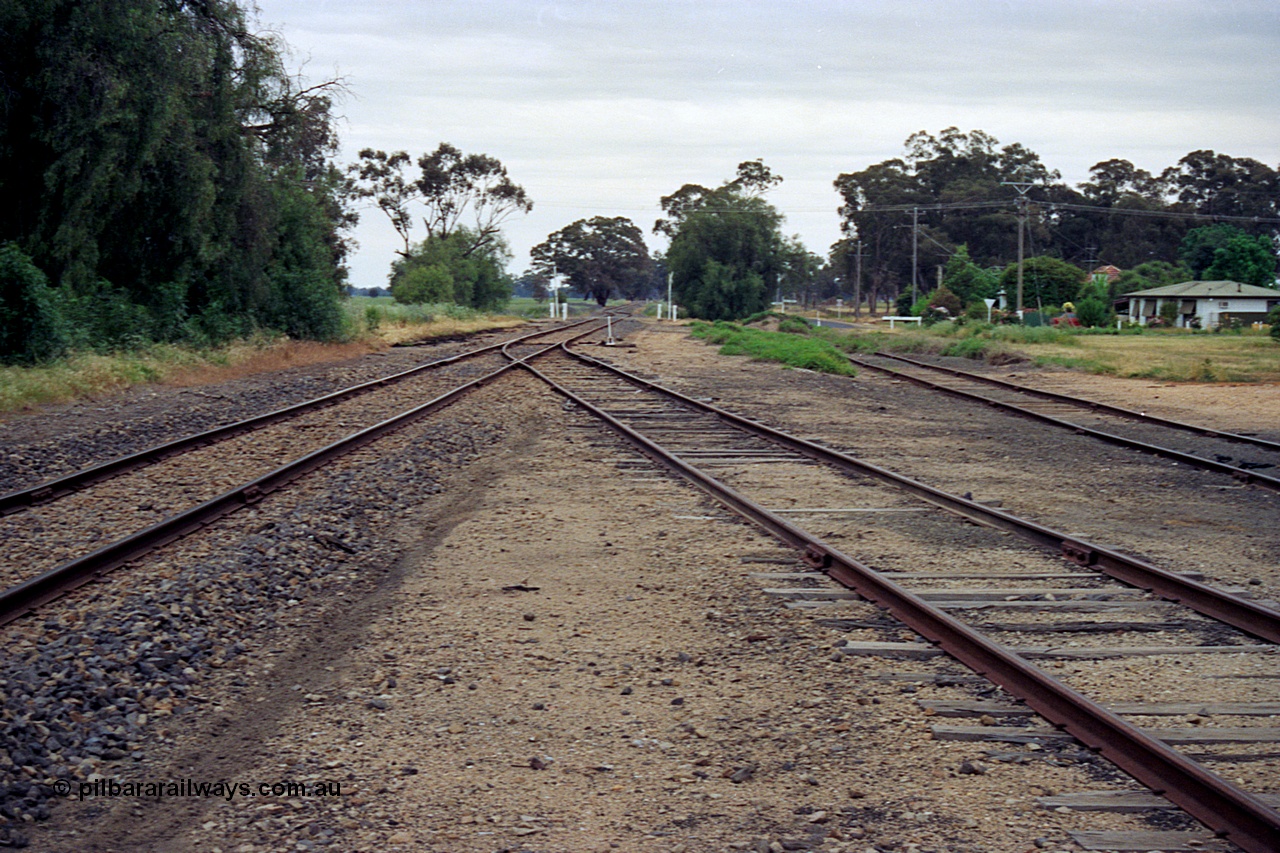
(1021, 187)
(915, 256)
(857, 285)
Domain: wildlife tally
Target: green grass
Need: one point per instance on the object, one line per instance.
(1171, 355)
(788, 348)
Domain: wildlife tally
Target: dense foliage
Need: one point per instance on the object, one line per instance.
(164, 174)
(454, 269)
(727, 254)
(958, 190)
(600, 256)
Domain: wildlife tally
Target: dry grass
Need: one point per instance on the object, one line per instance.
(1171, 357)
(398, 333)
(91, 376)
(243, 360)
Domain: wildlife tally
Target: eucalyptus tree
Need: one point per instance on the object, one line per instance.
(727, 254)
(600, 256)
(452, 191)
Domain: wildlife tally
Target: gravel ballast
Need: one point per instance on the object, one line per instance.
(519, 637)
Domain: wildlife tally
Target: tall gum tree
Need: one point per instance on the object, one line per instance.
(727, 253)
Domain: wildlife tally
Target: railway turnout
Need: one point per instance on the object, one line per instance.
(1055, 621)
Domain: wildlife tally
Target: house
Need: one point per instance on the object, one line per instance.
(1202, 304)
(1105, 274)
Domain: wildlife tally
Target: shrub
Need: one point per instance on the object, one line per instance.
(32, 325)
(793, 350)
(794, 325)
(1093, 312)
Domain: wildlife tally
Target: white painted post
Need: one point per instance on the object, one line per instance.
(552, 305)
(990, 302)
(564, 310)
(839, 305)
(817, 316)
(675, 313)
(609, 339)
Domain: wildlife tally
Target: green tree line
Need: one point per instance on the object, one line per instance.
(165, 179)
(1209, 215)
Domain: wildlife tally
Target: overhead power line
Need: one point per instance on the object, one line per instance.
(1051, 206)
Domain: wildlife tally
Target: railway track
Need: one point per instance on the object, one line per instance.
(64, 532)
(1248, 458)
(962, 587)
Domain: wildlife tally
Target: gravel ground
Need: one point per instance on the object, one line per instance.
(483, 658)
(45, 536)
(58, 440)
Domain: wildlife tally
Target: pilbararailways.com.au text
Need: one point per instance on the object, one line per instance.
(228, 791)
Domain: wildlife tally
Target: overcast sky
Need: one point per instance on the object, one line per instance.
(600, 108)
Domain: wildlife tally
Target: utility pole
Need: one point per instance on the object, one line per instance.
(857, 285)
(1021, 187)
(915, 255)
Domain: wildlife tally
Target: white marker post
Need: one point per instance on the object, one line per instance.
(839, 305)
(609, 340)
(990, 303)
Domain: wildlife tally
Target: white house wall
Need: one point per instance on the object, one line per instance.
(1208, 309)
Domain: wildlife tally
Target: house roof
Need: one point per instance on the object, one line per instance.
(1209, 290)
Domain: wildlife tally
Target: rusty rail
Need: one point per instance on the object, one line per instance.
(41, 493)
(1092, 404)
(1228, 810)
(1248, 616)
(24, 597)
(1191, 459)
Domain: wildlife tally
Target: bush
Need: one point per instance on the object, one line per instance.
(1093, 312)
(32, 325)
(793, 350)
(794, 325)
(944, 300)
(977, 311)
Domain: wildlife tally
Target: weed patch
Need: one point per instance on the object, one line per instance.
(789, 348)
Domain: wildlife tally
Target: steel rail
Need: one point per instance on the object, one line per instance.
(24, 597)
(41, 493)
(1263, 480)
(1203, 431)
(1249, 616)
(1224, 808)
